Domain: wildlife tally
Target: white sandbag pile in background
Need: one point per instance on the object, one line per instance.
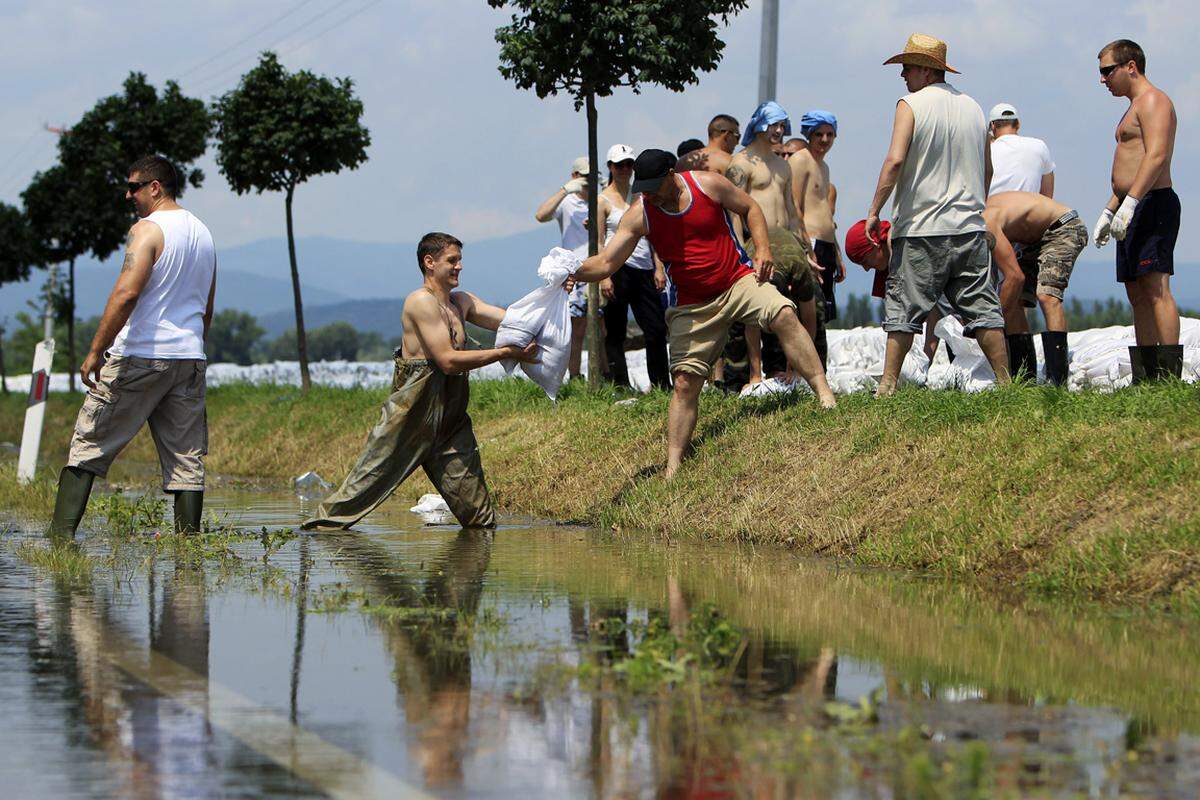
(543, 316)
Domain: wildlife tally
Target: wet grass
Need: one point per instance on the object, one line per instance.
(1031, 489)
(66, 562)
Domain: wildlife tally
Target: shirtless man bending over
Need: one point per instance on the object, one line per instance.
(425, 421)
(814, 198)
(766, 177)
(723, 134)
(1050, 237)
(1143, 212)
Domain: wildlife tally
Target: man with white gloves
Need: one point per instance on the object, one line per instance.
(1143, 212)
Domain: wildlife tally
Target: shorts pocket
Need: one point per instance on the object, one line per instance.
(94, 415)
(134, 376)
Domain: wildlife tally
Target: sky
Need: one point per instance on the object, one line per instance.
(455, 147)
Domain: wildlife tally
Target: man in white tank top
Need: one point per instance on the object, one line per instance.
(146, 362)
(939, 165)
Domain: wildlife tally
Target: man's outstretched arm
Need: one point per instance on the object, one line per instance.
(743, 205)
(142, 246)
(426, 316)
(617, 249)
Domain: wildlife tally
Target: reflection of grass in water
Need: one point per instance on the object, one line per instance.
(63, 560)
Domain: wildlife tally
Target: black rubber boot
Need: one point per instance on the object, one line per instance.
(1021, 356)
(1168, 362)
(189, 506)
(1054, 354)
(74, 488)
(1143, 363)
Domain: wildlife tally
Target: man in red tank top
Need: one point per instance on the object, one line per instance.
(713, 284)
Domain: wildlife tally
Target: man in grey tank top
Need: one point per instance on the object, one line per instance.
(940, 166)
(146, 362)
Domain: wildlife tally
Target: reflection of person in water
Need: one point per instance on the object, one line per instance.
(433, 671)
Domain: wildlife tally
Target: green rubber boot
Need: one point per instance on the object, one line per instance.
(74, 488)
(1168, 362)
(189, 506)
(1054, 353)
(1022, 358)
(1143, 363)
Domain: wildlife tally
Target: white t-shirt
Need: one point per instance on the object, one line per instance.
(168, 319)
(1018, 164)
(571, 213)
(940, 189)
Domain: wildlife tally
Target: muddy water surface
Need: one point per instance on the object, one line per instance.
(544, 661)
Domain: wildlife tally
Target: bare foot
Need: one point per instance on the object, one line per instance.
(886, 388)
(826, 399)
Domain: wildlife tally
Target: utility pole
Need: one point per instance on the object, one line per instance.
(768, 54)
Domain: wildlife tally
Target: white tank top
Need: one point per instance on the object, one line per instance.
(940, 190)
(641, 258)
(168, 319)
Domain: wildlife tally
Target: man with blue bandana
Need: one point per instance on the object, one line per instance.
(765, 176)
(812, 193)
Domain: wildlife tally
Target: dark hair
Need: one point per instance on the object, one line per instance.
(1123, 51)
(719, 118)
(433, 244)
(687, 146)
(157, 168)
(1010, 122)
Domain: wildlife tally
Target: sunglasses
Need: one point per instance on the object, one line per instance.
(1106, 71)
(133, 187)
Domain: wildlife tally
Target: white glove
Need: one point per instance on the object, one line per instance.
(575, 185)
(1121, 220)
(1103, 228)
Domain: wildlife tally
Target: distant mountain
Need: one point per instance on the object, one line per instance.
(380, 316)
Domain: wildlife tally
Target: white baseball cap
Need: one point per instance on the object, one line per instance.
(1003, 112)
(581, 165)
(620, 152)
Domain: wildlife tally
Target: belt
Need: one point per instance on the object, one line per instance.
(1063, 220)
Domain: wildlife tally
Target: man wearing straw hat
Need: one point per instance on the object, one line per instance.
(939, 166)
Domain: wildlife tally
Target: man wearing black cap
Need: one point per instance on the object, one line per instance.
(713, 283)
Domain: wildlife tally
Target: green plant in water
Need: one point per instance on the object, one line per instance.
(129, 515)
(64, 560)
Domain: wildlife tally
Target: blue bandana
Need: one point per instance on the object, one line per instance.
(766, 115)
(815, 119)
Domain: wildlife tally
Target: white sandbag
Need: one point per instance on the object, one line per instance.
(543, 316)
(970, 370)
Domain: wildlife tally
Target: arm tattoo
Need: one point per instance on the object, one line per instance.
(737, 176)
(128, 263)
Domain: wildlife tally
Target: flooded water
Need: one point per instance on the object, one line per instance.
(544, 661)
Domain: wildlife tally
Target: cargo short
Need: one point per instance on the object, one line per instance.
(697, 332)
(168, 394)
(923, 268)
(1048, 264)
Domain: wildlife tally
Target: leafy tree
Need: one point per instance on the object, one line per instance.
(856, 311)
(26, 332)
(337, 341)
(16, 245)
(232, 337)
(587, 48)
(278, 129)
(79, 206)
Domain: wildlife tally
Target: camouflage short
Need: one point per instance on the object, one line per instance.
(1048, 263)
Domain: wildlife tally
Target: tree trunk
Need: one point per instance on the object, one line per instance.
(301, 340)
(73, 365)
(595, 343)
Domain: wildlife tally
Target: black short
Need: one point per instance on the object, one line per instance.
(1149, 243)
(826, 255)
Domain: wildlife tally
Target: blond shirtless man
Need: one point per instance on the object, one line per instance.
(814, 198)
(1143, 212)
(765, 176)
(425, 421)
(1049, 237)
(723, 134)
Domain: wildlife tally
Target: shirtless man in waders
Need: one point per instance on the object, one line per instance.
(766, 177)
(425, 421)
(1143, 212)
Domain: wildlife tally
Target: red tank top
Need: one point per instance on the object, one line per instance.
(697, 246)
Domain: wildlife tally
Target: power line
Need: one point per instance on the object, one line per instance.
(17, 153)
(340, 22)
(214, 78)
(242, 41)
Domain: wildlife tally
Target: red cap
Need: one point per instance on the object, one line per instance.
(858, 247)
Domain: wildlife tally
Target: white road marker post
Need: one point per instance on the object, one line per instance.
(39, 391)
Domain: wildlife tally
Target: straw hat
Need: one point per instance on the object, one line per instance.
(924, 51)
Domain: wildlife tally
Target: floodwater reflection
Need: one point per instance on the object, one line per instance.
(411, 660)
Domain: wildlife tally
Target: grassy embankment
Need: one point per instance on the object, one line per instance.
(1084, 496)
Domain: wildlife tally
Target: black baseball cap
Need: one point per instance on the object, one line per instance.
(650, 168)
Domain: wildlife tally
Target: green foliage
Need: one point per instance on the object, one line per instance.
(16, 245)
(337, 341)
(232, 337)
(588, 47)
(26, 332)
(856, 311)
(278, 129)
(129, 515)
(65, 215)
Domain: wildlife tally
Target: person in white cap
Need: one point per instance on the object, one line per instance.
(636, 286)
(939, 164)
(568, 207)
(1019, 163)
